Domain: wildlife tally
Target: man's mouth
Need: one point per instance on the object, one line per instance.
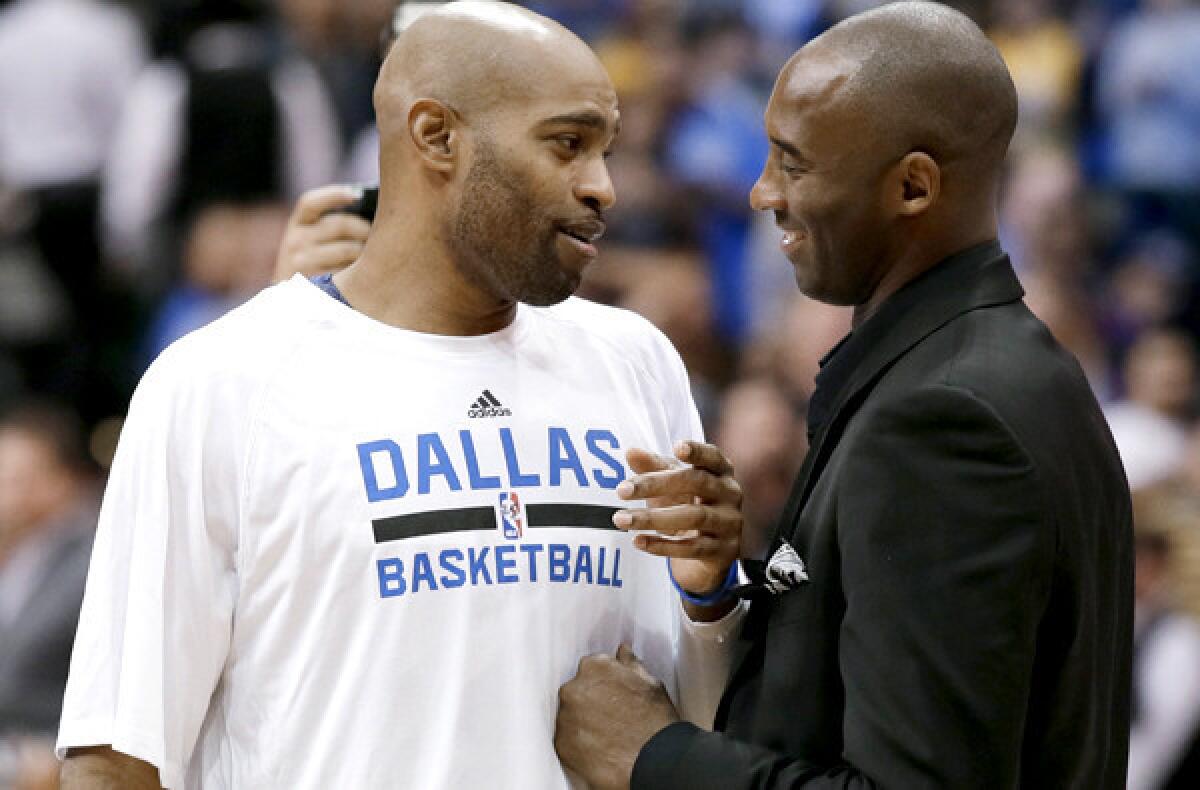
(583, 234)
(791, 238)
(586, 231)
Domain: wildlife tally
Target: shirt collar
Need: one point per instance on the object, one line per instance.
(838, 366)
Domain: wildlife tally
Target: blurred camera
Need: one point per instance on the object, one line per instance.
(365, 205)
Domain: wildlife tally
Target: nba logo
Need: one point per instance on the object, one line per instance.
(510, 515)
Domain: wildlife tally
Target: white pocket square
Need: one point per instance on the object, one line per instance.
(785, 570)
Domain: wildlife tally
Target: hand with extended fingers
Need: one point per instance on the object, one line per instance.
(692, 515)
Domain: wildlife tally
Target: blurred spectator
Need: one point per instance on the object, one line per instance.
(228, 256)
(226, 117)
(782, 27)
(1044, 57)
(762, 435)
(651, 210)
(1163, 739)
(342, 40)
(717, 148)
(1148, 95)
(1043, 224)
(1161, 375)
(589, 19)
(67, 64)
(47, 512)
(33, 310)
(1066, 310)
(644, 54)
(645, 57)
(65, 69)
(1148, 287)
(673, 293)
(1172, 506)
(1150, 424)
(770, 280)
(11, 384)
(791, 354)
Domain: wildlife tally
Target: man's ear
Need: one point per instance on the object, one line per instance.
(916, 182)
(434, 130)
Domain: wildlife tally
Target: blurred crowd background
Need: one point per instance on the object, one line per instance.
(150, 153)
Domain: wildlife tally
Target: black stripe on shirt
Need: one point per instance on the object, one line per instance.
(434, 522)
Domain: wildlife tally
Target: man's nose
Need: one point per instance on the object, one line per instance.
(765, 195)
(595, 186)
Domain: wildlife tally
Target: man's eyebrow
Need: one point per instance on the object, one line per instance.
(788, 148)
(590, 119)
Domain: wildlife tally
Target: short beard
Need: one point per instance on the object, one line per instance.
(494, 237)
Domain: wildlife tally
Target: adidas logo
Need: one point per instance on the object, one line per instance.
(486, 405)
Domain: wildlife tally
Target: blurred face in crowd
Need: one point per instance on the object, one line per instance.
(313, 22)
(1161, 373)
(230, 247)
(761, 435)
(1151, 554)
(823, 180)
(532, 201)
(33, 481)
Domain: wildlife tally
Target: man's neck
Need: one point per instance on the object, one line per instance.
(408, 281)
(913, 258)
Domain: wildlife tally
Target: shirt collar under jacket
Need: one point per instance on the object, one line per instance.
(839, 365)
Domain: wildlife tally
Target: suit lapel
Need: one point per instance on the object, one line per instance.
(979, 277)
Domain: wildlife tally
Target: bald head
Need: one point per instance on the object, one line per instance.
(888, 133)
(477, 57)
(921, 76)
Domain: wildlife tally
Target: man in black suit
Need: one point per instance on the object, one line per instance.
(949, 597)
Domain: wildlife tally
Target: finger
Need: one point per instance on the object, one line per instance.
(641, 461)
(681, 484)
(330, 257)
(328, 268)
(704, 456)
(707, 519)
(594, 662)
(698, 547)
(625, 654)
(316, 202)
(340, 227)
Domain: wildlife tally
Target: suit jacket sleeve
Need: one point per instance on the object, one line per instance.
(947, 548)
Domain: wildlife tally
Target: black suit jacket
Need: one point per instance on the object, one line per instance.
(966, 527)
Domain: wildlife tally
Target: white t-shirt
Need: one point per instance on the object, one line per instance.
(333, 553)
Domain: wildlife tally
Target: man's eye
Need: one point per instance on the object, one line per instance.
(569, 142)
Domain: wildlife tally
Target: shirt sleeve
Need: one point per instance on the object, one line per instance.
(703, 659)
(704, 651)
(156, 620)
